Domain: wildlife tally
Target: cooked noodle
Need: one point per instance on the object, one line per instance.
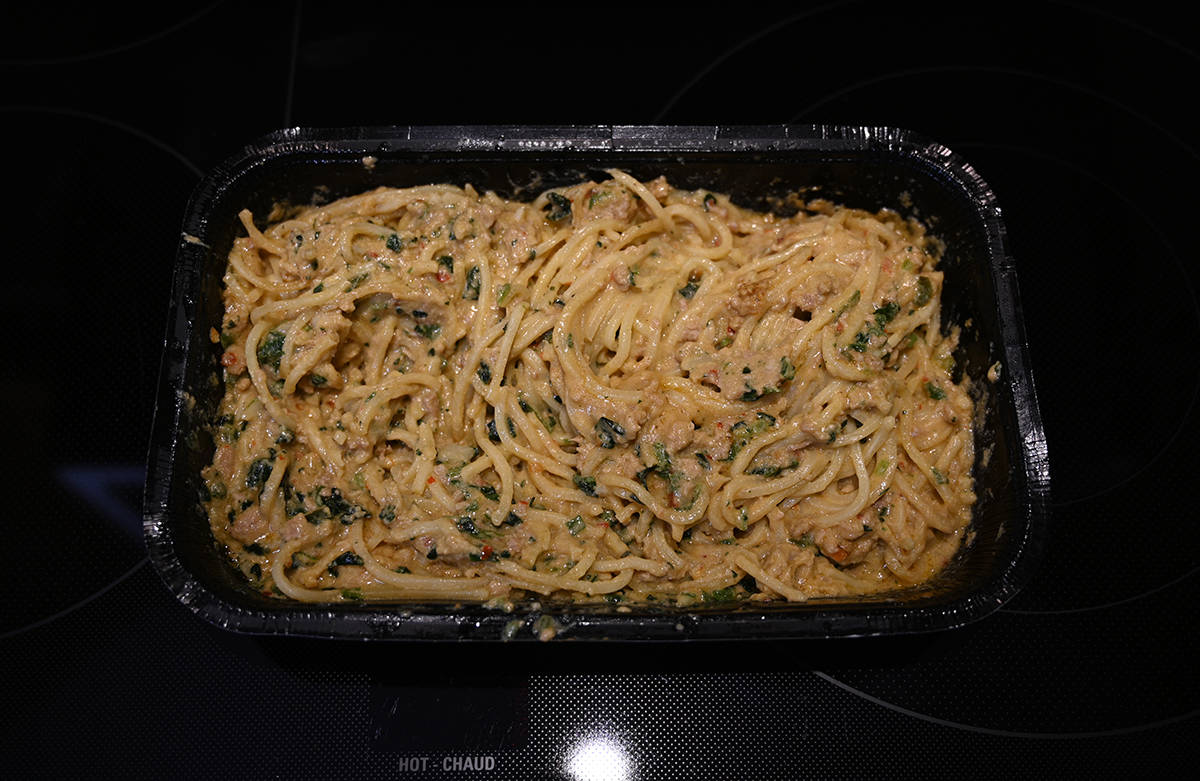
(618, 391)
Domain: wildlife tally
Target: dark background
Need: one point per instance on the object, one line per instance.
(1079, 118)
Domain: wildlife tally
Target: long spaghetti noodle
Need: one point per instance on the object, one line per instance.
(619, 391)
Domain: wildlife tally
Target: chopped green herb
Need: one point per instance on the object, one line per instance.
(862, 340)
(935, 391)
(503, 294)
(786, 370)
(471, 288)
(446, 262)
(560, 207)
(387, 513)
(850, 304)
(335, 505)
(353, 594)
(428, 330)
(301, 559)
(317, 380)
(575, 525)
(484, 372)
(720, 595)
(216, 490)
(742, 432)
(609, 431)
(938, 476)
(773, 470)
(258, 472)
(689, 290)
(488, 492)
(357, 280)
(394, 243)
(886, 313)
(585, 483)
(270, 349)
(805, 541)
(924, 291)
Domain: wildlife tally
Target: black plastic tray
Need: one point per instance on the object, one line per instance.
(864, 167)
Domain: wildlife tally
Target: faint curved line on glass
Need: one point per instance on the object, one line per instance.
(742, 44)
(115, 49)
(1004, 71)
(725, 55)
(71, 609)
(1115, 603)
(119, 125)
(1104, 12)
(1133, 207)
(1004, 732)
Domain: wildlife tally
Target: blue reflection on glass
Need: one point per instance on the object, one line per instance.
(106, 488)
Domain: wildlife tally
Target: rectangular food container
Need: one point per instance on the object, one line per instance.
(864, 167)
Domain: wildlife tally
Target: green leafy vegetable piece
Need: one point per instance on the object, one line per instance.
(886, 313)
(471, 288)
(609, 432)
(258, 472)
(428, 330)
(924, 291)
(270, 349)
(560, 207)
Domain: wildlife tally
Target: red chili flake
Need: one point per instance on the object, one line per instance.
(444, 276)
(431, 480)
(486, 553)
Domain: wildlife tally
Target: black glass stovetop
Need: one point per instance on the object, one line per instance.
(1078, 118)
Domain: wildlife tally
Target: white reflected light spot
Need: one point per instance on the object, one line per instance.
(599, 756)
